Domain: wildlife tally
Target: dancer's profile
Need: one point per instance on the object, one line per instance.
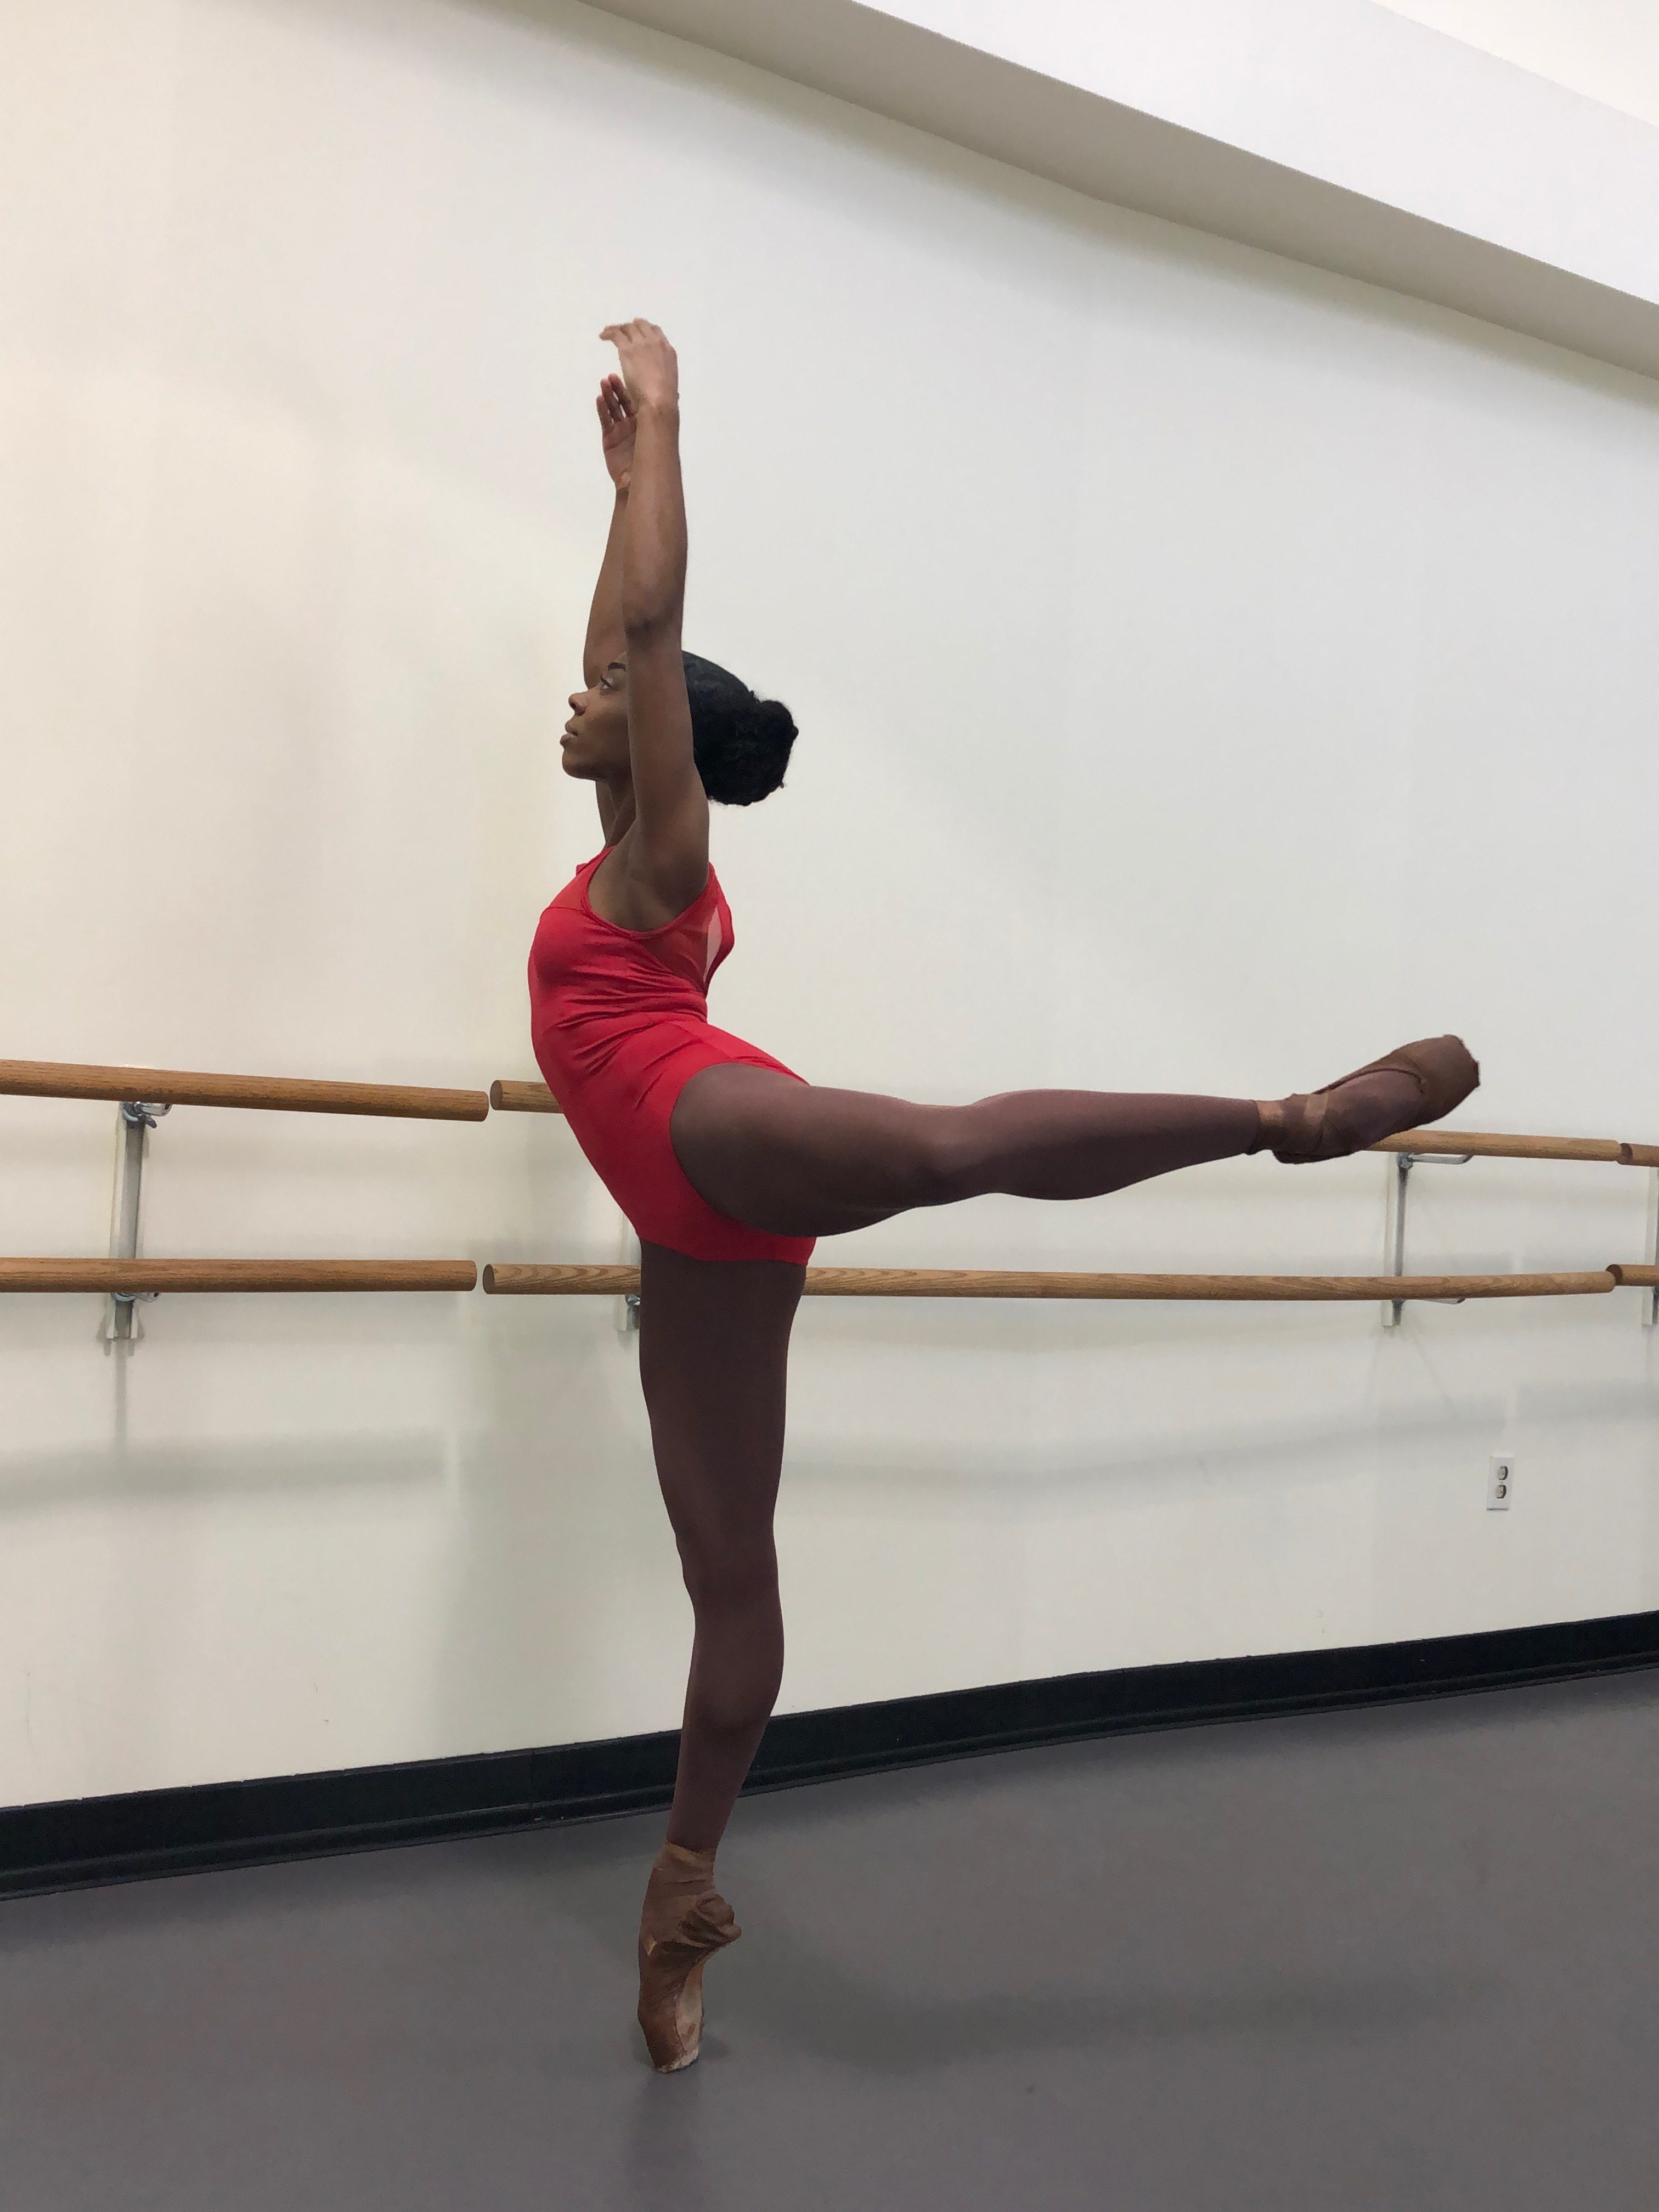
(729, 1166)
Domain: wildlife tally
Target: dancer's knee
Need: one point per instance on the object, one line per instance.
(726, 1581)
(938, 1159)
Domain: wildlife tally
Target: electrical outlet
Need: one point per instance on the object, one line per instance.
(1500, 1482)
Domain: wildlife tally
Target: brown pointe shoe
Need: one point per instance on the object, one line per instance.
(1315, 1125)
(685, 1921)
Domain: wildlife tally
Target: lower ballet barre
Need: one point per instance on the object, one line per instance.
(130, 1278)
(517, 1280)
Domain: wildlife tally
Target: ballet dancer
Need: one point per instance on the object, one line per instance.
(729, 1166)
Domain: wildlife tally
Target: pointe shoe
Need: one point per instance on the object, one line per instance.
(685, 1921)
(1315, 1125)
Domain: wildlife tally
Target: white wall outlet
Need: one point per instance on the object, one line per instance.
(1500, 1482)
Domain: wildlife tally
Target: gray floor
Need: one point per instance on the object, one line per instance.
(1399, 1959)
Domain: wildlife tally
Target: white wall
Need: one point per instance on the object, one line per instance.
(1210, 672)
(1607, 49)
(1336, 131)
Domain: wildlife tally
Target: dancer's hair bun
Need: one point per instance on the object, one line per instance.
(741, 743)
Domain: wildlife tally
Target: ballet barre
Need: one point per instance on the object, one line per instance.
(517, 1279)
(143, 1095)
(142, 1278)
(1487, 1145)
(1412, 1149)
(166, 1086)
(1427, 1148)
(509, 1097)
(148, 1278)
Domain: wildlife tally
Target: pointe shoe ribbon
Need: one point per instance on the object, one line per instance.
(1314, 1126)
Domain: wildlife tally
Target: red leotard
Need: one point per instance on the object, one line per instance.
(619, 1022)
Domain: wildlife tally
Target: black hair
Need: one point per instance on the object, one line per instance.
(741, 743)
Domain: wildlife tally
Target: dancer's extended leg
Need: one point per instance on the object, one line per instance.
(802, 1160)
(714, 1356)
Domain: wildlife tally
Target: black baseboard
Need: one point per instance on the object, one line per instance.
(225, 1823)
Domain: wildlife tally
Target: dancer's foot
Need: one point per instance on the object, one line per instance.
(1417, 1084)
(684, 1918)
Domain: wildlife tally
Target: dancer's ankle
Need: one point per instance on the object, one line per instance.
(686, 1858)
(1270, 1124)
(679, 1876)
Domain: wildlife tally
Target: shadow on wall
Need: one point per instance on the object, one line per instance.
(1304, 1452)
(118, 1469)
(239, 1466)
(563, 1595)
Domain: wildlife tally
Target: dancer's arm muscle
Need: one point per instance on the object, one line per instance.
(606, 642)
(668, 855)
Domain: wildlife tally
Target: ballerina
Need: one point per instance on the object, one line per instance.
(729, 1166)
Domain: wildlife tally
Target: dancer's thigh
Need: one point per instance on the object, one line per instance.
(799, 1159)
(714, 1364)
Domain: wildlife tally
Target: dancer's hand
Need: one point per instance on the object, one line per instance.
(617, 427)
(651, 374)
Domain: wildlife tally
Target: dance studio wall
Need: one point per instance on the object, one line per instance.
(1607, 49)
(1209, 670)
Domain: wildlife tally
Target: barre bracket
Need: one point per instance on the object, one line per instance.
(1399, 1184)
(626, 1311)
(134, 1121)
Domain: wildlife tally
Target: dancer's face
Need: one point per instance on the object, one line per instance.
(595, 744)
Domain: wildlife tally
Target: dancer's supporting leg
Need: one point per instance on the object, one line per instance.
(802, 1160)
(714, 1358)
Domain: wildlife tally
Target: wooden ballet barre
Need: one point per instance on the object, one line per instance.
(509, 1097)
(523, 1280)
(130, 1276)
(1636, 1278)
(167, 1086)
(1485, 1145)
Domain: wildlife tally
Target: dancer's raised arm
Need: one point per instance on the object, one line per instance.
(666, 859)
(604, 645)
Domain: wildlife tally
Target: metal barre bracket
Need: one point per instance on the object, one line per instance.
(1650, 1303)
(135, 1119)
(1398, 1183)
(626, 1311)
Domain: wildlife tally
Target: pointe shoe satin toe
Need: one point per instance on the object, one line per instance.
(685, 1921)
(1319, 1125)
